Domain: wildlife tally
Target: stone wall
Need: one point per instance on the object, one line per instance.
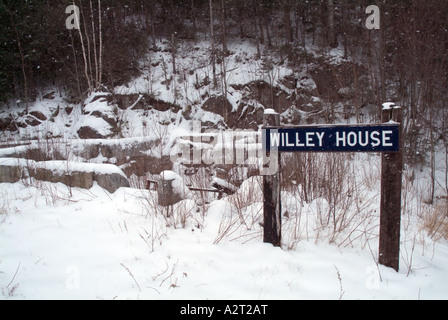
(72, 174)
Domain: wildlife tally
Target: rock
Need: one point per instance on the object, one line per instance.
(68, 110)
(7, 124)
(72, 174)
(49, 95)
(55, 112)
(269, 96)
(74, 179)
(112, 181)
(39, 115)
(11, 170)
(35, 118)
(142, 164)
(99, 119)
(163, 105)
(219, 105)
(126, 101)
(87, 132)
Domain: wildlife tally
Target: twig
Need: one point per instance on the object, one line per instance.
(375, 260)
(130, 273)
(163, 272)
(411, 258)
(341, 290)
(14, 275)
(169, 276)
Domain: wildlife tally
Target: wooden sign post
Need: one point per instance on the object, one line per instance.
(391, 181)
(384, 138)
(272, 208)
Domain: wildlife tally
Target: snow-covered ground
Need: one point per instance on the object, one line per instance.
(61, 243)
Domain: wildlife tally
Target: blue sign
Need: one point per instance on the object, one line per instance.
(336, 138)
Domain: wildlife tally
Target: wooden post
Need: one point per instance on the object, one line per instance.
(272, 208)
(391, 175)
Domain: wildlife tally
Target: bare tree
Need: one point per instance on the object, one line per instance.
(86, 66)
(100, 79)
(332, 40)
(212, 39)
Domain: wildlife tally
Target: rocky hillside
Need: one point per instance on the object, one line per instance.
(313, 91)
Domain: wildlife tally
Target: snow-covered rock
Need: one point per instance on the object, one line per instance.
(11, 170)
(99, 119)
(72, 174)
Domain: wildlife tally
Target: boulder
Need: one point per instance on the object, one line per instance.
(74, 179)
(7, 124)
(35, 118)
(9, 173)
(99, 119)
(111, 181)
(72, 174)
(89, 132)
(219, 105)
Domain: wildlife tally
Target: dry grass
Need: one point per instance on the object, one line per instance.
(245, 214)
(435, 222)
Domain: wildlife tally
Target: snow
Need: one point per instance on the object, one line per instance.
(71, 166)
(224, 183)
(99, 105)
(388, 105)
(270, 111)
(178, 183)
(169, 175)
(77, 244)
(14, 162)
(63, 167)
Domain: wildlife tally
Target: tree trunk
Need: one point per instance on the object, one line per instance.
(212, 38)
(332, 42)
(22, 61)
(224, 28)
(86, 66)
(94, 47)
(100, 22)
(173, 52)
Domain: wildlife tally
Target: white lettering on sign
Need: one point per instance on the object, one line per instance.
(364, 138)
(356, 138)
(275, 139)
(308, 139)
(386, 137)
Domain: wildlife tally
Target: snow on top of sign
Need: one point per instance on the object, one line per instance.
(388, 105)
(270, 111)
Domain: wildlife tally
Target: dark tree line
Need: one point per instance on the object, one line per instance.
(406, 58)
